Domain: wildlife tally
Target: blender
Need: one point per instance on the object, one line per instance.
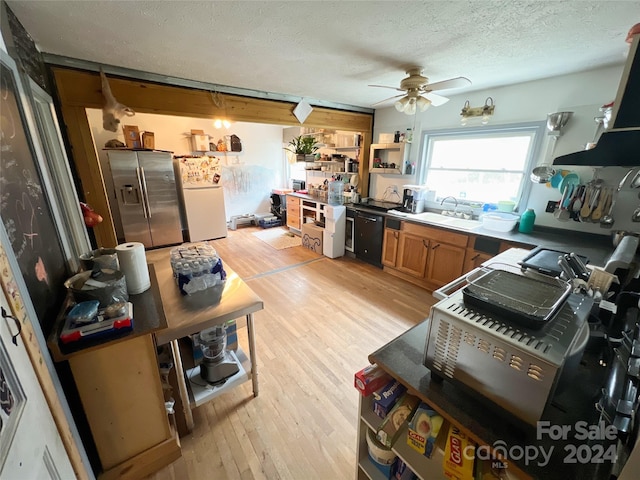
(217, 364)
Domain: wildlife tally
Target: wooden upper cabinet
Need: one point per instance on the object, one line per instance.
(412, 254)
(390, 247)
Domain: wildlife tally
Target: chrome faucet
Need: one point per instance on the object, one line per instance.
(452, 198)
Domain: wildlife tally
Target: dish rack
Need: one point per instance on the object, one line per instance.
(530, 302)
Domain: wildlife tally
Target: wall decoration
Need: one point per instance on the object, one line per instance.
(12, 402)
(24, 206)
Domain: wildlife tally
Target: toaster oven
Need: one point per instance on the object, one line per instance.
(506, 361)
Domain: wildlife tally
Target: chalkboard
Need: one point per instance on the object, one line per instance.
(25, 210)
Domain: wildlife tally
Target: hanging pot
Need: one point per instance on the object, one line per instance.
(542, 174)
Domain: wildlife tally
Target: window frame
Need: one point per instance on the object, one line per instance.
(535, 128)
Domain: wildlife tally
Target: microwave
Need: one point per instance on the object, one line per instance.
(298, 185)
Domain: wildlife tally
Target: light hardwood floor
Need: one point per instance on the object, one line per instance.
(322, 318)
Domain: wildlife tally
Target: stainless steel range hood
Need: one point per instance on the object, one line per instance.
(619, 145)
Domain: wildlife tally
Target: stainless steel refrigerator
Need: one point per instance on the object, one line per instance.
(145, 187)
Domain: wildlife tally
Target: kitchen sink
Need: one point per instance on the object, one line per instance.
(439, 219)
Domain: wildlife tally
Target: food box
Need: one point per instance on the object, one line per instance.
(132, 136)
(459, 454)
(396, 418)
(423, 430)
(403, 472)
(312, 237)
(148, 140)
(370, 379)
(385, 398)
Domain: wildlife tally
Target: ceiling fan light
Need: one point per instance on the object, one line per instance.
(423, 103)
(401, 104)
(410, 109)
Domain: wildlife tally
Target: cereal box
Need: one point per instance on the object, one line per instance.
(423, 430)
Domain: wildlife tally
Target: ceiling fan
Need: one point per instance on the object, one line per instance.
(419, 92)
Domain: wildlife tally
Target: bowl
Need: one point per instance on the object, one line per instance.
(506, 206)
(499, 221)
(105, 285)
(542, 174)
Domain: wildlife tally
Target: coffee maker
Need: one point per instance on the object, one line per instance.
(407, 200)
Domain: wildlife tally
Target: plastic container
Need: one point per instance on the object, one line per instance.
(499, 221)
(527, 220)
(378, 452)
(106, 285)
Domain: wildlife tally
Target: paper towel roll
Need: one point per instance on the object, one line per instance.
(133, 263)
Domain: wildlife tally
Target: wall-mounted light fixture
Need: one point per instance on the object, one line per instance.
(470, 112)
(556, 121)
(218, 101)
(219, 123)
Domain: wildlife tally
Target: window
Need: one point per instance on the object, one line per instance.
(482, 165)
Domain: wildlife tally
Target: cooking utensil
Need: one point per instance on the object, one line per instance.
(607, 221)
(585, 211)
(561, 212)
(578, 266)
(635, 216)
(542, 174)
(566, 268)
(635, 181)
(596, 215)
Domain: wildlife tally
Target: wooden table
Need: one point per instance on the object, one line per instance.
(186, 315)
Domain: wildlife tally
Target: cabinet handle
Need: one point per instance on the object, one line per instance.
(435, 246)
(425, 243)
(395, 234)
(475, 256)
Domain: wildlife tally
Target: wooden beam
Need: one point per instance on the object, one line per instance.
(78, 90)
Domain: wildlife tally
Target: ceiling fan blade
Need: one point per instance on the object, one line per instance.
(385, 101)
(457, 82)
(435, 99)
(385, 86)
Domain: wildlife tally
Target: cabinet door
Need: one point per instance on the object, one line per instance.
(390, 247)
(445, 263)
(412, 254)
(474, 259)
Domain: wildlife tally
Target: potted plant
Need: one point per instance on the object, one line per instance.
(304, 147)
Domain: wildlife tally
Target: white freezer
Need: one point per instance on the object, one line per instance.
(205, 213)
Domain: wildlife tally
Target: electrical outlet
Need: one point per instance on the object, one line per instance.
(393, 188)
(551, 206)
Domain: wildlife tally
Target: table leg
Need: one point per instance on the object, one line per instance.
(252, 353)
(183, 408)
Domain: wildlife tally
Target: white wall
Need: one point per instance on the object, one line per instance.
(582, 93)
(247, 178)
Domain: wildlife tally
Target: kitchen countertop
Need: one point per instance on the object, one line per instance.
(597, 248)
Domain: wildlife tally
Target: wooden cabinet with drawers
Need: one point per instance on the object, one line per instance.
(293, 212)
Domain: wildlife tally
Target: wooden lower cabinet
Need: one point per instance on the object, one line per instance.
(390, 247)
(428, 256)
(473, 259)
(412, 254)
(293, 212)
(446, 263)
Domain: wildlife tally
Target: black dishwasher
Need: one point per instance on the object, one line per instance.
(369, 233)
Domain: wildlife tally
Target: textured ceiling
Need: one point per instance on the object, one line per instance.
(332, 50)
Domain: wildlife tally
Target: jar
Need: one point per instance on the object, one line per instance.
(527, 220)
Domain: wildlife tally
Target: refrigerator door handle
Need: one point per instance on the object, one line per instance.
(142, 185)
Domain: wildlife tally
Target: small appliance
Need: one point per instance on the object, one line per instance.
(407, 199)
(217, 364)
(507, 362)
